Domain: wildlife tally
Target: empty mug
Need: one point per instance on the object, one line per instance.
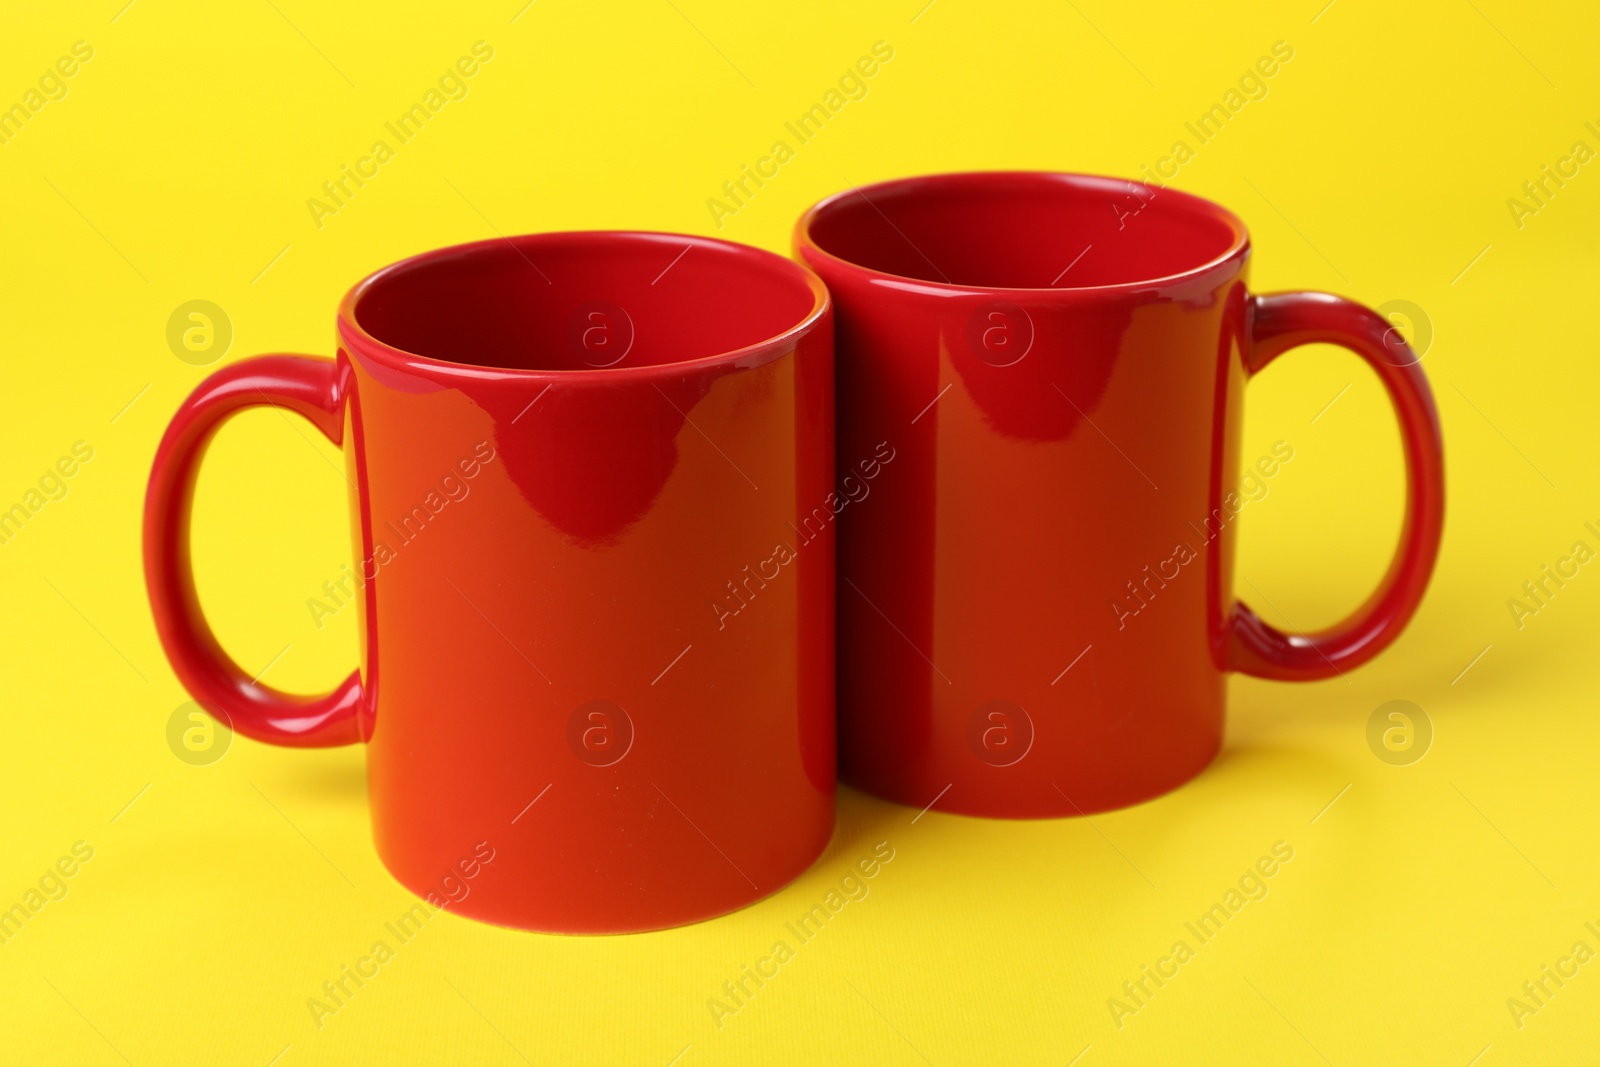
(1036, 595)
(594, 649)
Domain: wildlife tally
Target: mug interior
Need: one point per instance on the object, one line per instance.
(1024, 230)
(585, 301)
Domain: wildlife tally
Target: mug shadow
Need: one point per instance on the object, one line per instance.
(332, 776)
(860, 821)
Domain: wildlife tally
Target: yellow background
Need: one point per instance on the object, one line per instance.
(1379, 165)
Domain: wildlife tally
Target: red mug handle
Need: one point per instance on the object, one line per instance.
(1279, 322)
(314, 389)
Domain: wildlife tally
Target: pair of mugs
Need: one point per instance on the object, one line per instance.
(621, 515)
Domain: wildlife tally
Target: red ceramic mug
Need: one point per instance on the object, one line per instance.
(592, 645)
(1036, 600)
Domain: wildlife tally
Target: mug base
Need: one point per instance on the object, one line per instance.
(505, 910)
(1050, 800)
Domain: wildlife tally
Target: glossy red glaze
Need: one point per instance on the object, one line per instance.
(1036, 599)
(597, 611)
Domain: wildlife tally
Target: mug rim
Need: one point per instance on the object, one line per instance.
(1229, 260)
(355, 337)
